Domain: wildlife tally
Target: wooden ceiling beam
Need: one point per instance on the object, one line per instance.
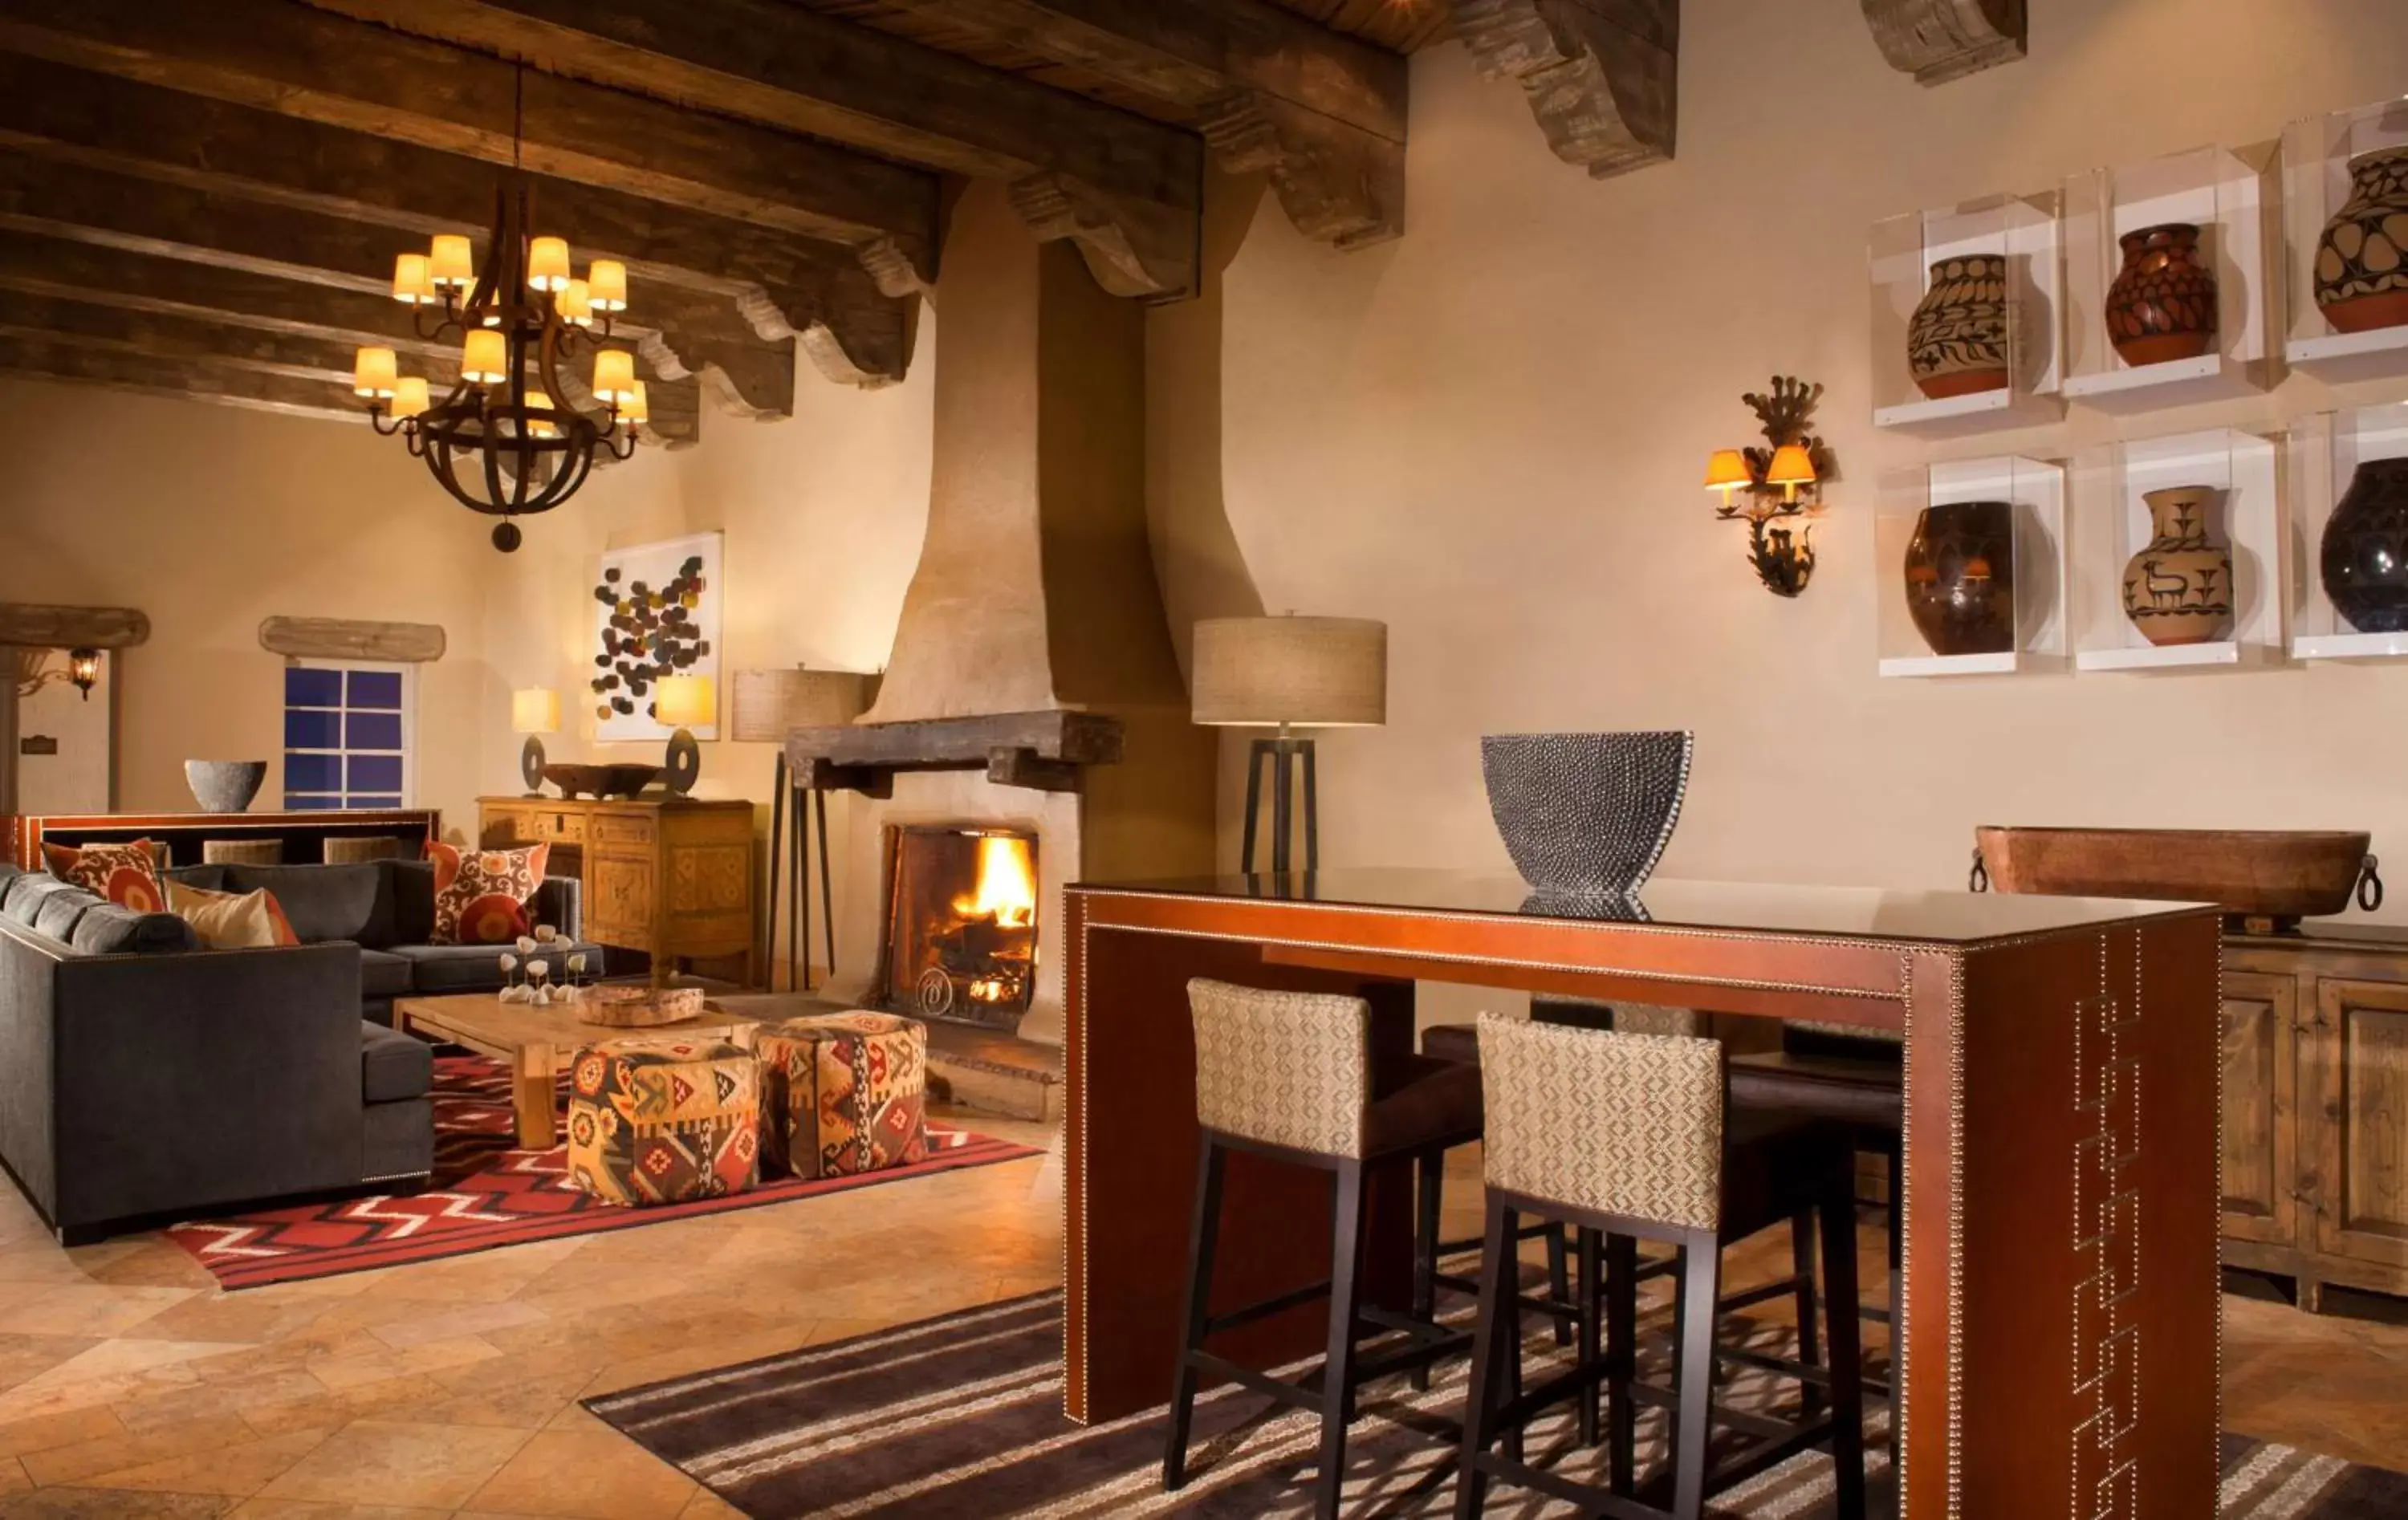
(53, 358)
(297, 61)
(1601, 75)
(1323, 114)
(782, 284)
(1939, 40)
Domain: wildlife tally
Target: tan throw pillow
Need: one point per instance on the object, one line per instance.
(125, 874)
(232, 920)
(481, 895)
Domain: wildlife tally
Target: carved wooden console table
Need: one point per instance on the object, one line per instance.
(671, 878)
(2062, 1284)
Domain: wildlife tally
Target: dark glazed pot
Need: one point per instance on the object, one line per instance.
(1960, 577)
(1957, 342)
(2364, 562)
(2162, 307)
(2362, 261)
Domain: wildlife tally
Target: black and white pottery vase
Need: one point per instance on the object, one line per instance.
(1586, 815)
(1960, 577)
(2178, 590)
(2364, 557)
(1956, 341)
(2362, 259)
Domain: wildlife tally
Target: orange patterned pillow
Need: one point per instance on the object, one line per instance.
(481, 895)
(125, 874)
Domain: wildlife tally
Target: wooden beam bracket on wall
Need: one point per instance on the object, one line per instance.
(42, 626)
(1601, 75)
(1131, 248)
(349, 638)
(1338, 183)
(1939, 40)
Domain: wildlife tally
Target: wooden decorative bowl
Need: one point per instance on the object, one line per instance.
(2267, 874)
(638, 1008)
(600, 781)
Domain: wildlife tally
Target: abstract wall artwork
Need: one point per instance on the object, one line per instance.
(656, 613)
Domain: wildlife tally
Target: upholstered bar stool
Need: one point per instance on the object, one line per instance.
(1625, 1138)
(1294, 1077)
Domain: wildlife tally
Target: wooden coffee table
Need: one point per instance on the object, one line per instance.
(531, 1039)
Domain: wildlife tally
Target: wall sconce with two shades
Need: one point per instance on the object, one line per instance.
(1778, 482)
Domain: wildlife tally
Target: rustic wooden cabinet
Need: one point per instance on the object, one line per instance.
(671, 878)
(2315, 1108)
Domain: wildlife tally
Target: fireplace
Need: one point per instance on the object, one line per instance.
(960, 937)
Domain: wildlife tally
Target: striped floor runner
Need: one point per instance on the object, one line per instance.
(960, 1418)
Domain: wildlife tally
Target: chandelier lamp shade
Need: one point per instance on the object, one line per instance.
(506, 440)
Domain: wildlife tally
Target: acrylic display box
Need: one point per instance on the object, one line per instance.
(2316, 185)
(2326, 450)
(2023, 232)
(2235, 206)
(2113, 528)
(2035, 491)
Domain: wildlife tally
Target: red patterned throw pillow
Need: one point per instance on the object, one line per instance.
(125, 874)
(481, 895)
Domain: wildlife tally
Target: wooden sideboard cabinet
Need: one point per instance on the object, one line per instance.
(673, 878)
(2315, 1108)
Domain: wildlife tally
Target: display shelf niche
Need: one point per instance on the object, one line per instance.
(2315, 185)
(2020, 229)
(2036, 490)
(2113, 526)
(2325, 452)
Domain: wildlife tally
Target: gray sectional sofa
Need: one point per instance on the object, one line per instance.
(144, 1079)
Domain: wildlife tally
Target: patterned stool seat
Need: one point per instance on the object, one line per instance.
(844, 1092)
(663, 1121)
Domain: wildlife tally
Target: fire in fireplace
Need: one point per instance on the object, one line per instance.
(961, 922)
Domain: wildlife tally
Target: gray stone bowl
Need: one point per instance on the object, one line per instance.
(225, 785)
(1586, 815)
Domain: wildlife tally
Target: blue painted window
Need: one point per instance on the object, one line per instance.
(346, 736)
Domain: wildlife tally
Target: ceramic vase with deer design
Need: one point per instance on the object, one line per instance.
(2178, 589)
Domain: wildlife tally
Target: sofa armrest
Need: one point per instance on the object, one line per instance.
(560, 902)
(189, 1080)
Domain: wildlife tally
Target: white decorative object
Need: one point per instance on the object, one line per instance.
(545, 934)
(656, 613)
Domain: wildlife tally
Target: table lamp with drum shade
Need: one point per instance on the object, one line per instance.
(764, 707)
(1287, 673)
(533, 713)
(684, 702)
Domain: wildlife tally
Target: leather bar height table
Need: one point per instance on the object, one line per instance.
(2059, 1350)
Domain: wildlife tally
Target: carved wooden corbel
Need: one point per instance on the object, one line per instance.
(1131, 248)
(1338, 183)
(44, 626)
(1600, 74)
(1939, 40)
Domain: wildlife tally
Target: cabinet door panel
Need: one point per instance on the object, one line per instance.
(2259, 1159)
(2357, 1062)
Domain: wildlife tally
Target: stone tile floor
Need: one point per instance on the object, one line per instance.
(130, 1388)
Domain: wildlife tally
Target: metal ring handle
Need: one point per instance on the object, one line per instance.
(1979, 881)
(2369, 885)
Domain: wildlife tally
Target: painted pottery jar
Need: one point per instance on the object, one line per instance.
(1960, 577)
(2364, 558)
(1957, 342)
(2362, 261)
(2178, 590)
(2162, 306)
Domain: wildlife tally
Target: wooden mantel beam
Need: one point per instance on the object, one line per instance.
(1939, 40)
(1601, 75)
(1323, 114)
(38, 625)
(297, 61)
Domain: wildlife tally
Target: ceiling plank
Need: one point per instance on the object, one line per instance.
(1939, 40)
(51, 359)
(298, 62)
(1601, 74)
(1323, 114)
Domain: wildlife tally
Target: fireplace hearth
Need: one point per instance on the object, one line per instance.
(960, 941)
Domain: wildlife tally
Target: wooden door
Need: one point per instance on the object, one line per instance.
(2353, 1074)
(2260, 1145)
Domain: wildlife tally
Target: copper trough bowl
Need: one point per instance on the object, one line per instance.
(2272, 878)
(600, 781)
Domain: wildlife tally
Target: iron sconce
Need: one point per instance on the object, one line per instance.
(1776, 483)
(83, 669)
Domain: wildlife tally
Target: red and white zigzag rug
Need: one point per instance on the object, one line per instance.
(485, 1192)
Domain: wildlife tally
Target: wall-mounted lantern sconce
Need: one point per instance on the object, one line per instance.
(1778, 482)
(83, 668)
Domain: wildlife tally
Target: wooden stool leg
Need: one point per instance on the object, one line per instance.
(1693, 1373)
(1499, 1265)
(1429, 1172)
(1202, 1238)
(1510, 1328)
(1839, 1212)
(1559, 1286)
(1621, 1360)
(1592, 1329)
(1338, 1368)
(1801, 1266)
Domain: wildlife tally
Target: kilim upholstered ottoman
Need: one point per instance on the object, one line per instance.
(663, 1121)
(843, 1093)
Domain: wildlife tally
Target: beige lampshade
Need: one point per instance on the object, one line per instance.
(607, 281)
(1311, 672)
(412, 285)
(484, 357)
(548, 264)
(410, 396)
(1727, 470)
(637, 407)
(534, 711)
(686, 701)
(372, 371)
(574, 304)
(1791, 466)
(448, 261)
(766, 705)
(614, 375)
